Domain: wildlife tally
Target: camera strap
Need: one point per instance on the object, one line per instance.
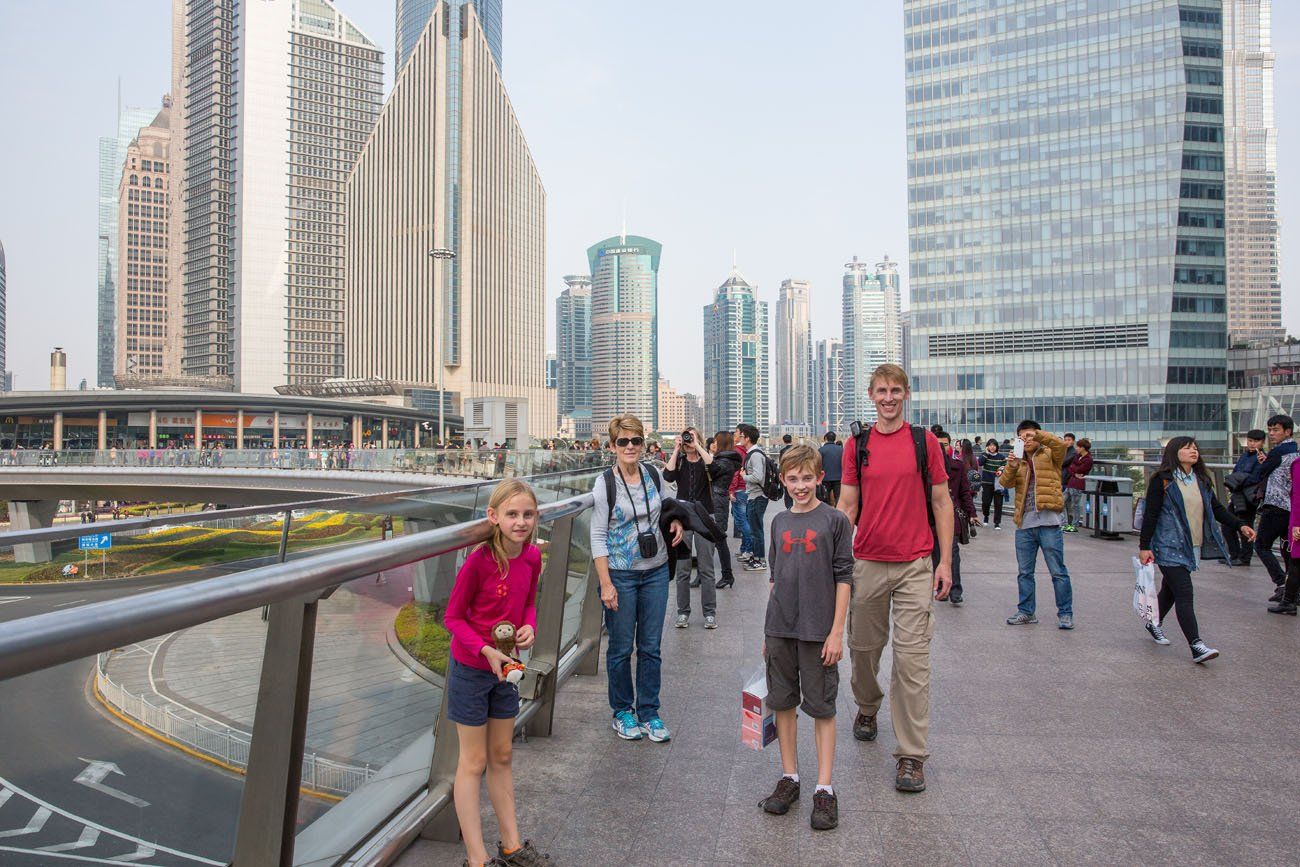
(636, 519)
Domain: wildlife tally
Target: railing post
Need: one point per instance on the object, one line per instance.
(591, 624)
(541, 677)
(268, 811)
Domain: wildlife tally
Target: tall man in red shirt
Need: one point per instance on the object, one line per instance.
(887, 498)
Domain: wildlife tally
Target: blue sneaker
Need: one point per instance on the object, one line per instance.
(655, 728)
(626, 726)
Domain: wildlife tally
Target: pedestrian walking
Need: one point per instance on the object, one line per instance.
(1040, 507)
(1291, 590)
(753, 471)
(497, 584)
(992, 460)
(1179, 517)
(963, 501)
(895, 490)
(1275, 507)
(803, 630)
(832, 453)
(1245, 493)
(1075, 471)
(728, 461)
(630, 554)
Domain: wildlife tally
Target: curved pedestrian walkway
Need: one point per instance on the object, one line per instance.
(1088, 747)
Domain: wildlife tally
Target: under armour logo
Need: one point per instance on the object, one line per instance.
(806, 540)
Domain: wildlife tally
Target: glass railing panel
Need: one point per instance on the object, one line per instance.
(578, 578)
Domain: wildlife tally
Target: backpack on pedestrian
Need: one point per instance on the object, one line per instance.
(772, 487)
(862, 455)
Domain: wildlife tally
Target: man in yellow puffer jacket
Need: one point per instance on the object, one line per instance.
(1040, 519)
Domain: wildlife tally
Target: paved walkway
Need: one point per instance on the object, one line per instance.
(1086, 747)
(366, 705)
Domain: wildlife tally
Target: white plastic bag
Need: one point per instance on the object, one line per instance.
(1145, 601)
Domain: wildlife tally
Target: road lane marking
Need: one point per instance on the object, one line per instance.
(73, 602)
(93, 778)
(34, 824)
(17, 790)
(5, 600)
(5, 795)
(84, 859)
(141, 851)
(87, 839)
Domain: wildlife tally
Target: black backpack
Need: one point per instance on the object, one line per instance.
(918, 442)
(772, 487)
(611, 491)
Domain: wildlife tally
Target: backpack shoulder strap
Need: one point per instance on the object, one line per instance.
(860, 450)
(922, 456)
(653, 472)
(610, 493)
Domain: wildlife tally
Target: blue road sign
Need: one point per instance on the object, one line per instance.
(95, 542)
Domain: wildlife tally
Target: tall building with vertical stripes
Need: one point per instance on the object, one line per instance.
(413, 16)
(1065, 171)
(736, 357)
(871, 332)
(624, 329)
(793, 336)
(480, 333)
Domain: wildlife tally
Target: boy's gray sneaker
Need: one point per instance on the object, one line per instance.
(525, 856)
(1021, 619)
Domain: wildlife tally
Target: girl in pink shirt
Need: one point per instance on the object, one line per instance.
(497, 582)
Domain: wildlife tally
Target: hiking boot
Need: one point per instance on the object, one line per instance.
(683, 621)
(1283, 607)
(778, 803)
(826, 811)
(490, 862)
(1202, 652)
(1020, 618)
(1157, 634)
(525, 856)
(911, 776)
(864, 727)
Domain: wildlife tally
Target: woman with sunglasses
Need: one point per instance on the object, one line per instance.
(631, 560)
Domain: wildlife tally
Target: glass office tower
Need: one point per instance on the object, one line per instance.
(735, 357)
(1066, 221)
(413, 15)
(624, 330)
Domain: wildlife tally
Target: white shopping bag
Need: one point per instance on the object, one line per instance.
(1145, 602)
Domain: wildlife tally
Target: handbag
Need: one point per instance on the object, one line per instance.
(963, 527)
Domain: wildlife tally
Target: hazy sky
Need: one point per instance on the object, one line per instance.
(774, 129)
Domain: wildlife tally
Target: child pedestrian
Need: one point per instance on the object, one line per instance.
(498, 582)
(811, 560)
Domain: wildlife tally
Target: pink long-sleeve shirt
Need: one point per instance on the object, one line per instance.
(482, 597)
(1295, 509)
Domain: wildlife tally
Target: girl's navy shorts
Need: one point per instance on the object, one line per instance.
(475, 695)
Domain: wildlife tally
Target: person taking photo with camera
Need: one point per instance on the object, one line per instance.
(693, 470)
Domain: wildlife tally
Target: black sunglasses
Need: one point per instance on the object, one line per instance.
(624, 442)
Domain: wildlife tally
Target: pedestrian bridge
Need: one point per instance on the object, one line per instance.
(1091, 746)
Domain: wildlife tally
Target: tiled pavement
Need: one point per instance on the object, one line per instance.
(1086, 747)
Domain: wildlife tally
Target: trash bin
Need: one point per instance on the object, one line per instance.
(1112, 497)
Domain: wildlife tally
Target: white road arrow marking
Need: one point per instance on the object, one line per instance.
(5, 600)
(93, 778)
(5, 795)
(141, 851)
(35, 824)
(88, 837)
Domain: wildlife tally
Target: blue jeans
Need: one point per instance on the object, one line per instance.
(755, 510)
(740, 515)
(1051, 540)
(639, 621)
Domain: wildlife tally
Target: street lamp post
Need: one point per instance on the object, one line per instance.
(440, 254)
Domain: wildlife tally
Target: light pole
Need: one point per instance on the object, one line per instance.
(440, 254)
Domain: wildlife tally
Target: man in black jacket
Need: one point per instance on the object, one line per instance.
(690, 468)
(1274, 515)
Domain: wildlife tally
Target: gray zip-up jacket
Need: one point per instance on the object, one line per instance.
(755, 466)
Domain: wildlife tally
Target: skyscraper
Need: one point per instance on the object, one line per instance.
(735, 356)
(793, 352)
(1250, 152)
(413, 15)
(4, 371)
(871, 332)
(484, 337)
(573, 348)
(828, 387)
(112, 151)
(1065, 212)
(145, 303)
(280, 95)
(624, 329)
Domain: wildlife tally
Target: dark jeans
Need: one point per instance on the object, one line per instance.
(988, 496)
(1292, 589)
(1238, 548)
(1272, 526)
(740, 516)
(756, 509)
(1176, 593)
(639, 623)
(1051, 541)
(956, 561)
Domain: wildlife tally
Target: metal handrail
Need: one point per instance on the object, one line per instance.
(340, 504)
(45, 640)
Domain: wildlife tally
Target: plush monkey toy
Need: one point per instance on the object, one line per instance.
(504, 636)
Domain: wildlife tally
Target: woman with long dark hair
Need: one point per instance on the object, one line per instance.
(1180, 516)
(991, 462)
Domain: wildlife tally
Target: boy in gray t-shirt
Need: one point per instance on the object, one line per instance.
(811, 558)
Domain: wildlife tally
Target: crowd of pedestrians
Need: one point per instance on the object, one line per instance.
(868, 541)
